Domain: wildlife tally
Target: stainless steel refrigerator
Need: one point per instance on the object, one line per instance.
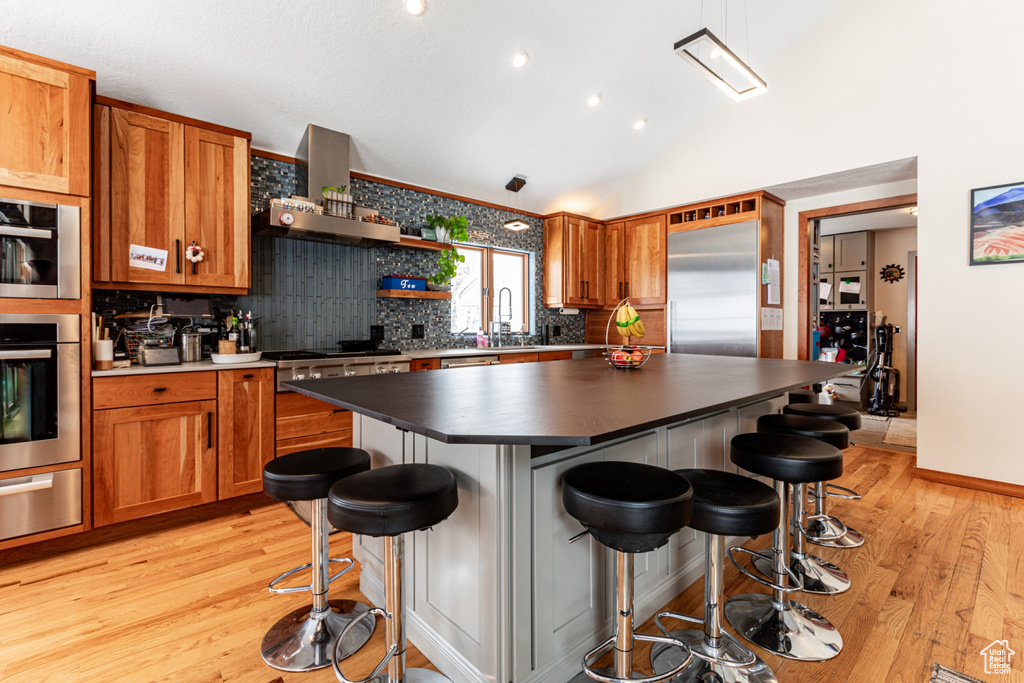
(713, 287)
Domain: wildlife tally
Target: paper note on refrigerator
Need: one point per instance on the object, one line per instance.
(824, 289)
(774, 283)
(849, 287)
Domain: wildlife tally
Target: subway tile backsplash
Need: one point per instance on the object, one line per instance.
(311, 293)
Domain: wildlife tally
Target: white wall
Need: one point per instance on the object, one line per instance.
(878, 80)
(892, 246)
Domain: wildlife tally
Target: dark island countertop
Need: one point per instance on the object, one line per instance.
(564, 403)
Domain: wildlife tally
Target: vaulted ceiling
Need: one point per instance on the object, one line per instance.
(430, 100)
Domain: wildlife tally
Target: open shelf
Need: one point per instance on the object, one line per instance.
(411, 294)
(725, 211)
(421, 244)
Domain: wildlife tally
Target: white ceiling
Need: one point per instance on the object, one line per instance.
(430, 100)
(890, 219)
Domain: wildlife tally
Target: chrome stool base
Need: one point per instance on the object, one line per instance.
(413, 675)
(818, 575)
(790, 630)
(304, 639)
(582, 676)
(665, 658)
(830, 527)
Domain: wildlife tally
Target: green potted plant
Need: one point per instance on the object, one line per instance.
(449, 257)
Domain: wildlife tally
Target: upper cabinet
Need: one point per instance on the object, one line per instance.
(645, 261)
(44, 123)
(573, 262)
(164, 183)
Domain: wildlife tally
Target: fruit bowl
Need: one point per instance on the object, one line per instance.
(627, 324)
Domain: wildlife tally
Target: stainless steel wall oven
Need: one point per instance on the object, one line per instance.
(40, 390)
(40, 250)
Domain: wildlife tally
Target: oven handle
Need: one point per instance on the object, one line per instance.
(468, 365)
(36, 483)
(10, 231)
(26, 355)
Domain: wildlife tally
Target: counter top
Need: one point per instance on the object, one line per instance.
(570, 403)
(497, 350)
(197, 366)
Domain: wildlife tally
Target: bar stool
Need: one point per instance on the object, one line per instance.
(802, 396)
(818, 575)
(826, 530)
(774, 622)
(631, 508)
(304, 639)
(390, 501)
(724, 504)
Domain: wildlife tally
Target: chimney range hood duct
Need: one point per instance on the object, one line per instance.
(323, 157)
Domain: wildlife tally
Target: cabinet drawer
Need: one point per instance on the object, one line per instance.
(554, 355)
(145, 390)
(299, 415)
(518, 358)
(341, 439)
(41, 502)
(424, 364)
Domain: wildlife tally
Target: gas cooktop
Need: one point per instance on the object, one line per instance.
(327, 353)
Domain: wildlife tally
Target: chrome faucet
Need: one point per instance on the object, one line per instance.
(503, 324)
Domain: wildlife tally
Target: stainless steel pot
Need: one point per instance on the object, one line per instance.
(191, 347)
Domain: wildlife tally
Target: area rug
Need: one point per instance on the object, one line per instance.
(902, 432)
(941, 674)
(865, 415)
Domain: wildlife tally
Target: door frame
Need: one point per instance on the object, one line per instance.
(805, 226)
(910, 397)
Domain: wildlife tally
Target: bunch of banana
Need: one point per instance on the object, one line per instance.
(628, 323)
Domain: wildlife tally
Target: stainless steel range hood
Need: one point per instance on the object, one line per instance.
(323, 157)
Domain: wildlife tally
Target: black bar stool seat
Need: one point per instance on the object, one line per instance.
(724, 504)
(802, 396)
(389, 502)
(774, 622)
(304, 639)
(847, 416)
(631, 508)
(830, 431)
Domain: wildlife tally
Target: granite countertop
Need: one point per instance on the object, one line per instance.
(570, 403)
(197, 366)
(495, 350)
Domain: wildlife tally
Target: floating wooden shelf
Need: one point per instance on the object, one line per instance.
(421, 244)
(411, 294)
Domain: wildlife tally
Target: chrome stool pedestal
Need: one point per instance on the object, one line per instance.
(828, 531)
(774, 622)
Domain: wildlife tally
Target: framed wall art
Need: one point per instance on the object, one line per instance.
(997, 224)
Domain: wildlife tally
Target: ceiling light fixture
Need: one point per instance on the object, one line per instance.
(747, 85)
(415, 7)
(520, 59)
(594, 100)
(515, 224)
(640, 123)
(913, 211)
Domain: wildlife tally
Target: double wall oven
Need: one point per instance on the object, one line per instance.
(40, 422)
(39, 250)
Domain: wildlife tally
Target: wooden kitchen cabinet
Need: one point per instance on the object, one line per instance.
(152, 459)
(645, 261)
(507, 358)
(573, 262)
(163, 181)
(614, 263)
(44, 123)
(245, 411)
(424, 364)
(304, 423)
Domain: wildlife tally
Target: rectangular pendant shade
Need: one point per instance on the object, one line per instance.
(516, 225)
(735, 78)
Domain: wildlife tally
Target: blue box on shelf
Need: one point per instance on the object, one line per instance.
(416, 284)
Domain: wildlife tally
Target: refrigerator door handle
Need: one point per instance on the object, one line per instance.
(668, 326)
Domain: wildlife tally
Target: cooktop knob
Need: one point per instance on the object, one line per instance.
(287, 218)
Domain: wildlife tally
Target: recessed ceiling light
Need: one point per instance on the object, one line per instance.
(520, 59)
(415, 7)
(594, 100)
(640, 123)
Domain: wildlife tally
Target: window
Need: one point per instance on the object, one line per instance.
(475, 288)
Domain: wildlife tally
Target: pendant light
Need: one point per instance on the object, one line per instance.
(704, 50)
(516, 224)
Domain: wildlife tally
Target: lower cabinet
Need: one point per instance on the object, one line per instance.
(304, 423)
(153, 454)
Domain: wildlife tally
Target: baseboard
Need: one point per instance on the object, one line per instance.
(975, 483)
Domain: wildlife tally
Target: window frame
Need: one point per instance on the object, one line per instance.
(487, 281)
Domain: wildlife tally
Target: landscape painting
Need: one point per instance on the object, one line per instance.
(997, 224)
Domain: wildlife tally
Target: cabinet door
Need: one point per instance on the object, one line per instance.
(646, 262)
(851, 251)
(44, 119)
(828, 253)
(245, 399)
(592, 258)
(147, 191)
(614, 262)
(572, 262)
(153, 459)
(856, 296)
(217, 207)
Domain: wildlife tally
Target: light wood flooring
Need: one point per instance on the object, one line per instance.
(942, 576)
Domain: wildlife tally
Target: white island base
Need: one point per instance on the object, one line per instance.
(496, 593)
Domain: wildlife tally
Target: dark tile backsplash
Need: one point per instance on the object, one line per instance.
(311, 293)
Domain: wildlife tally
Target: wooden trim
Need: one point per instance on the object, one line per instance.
(168, 287)
(974, 483)
(47, 535)
(439, 193)
(72, 306)
(580, 216)
(46, 61)
(187, 120)
(274, 155)
(682, 207)
(411, 294)
(804, 222)
(714, 222)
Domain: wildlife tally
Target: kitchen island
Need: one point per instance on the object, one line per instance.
(496, 593)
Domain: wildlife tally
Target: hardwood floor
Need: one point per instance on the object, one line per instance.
(941, 576)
